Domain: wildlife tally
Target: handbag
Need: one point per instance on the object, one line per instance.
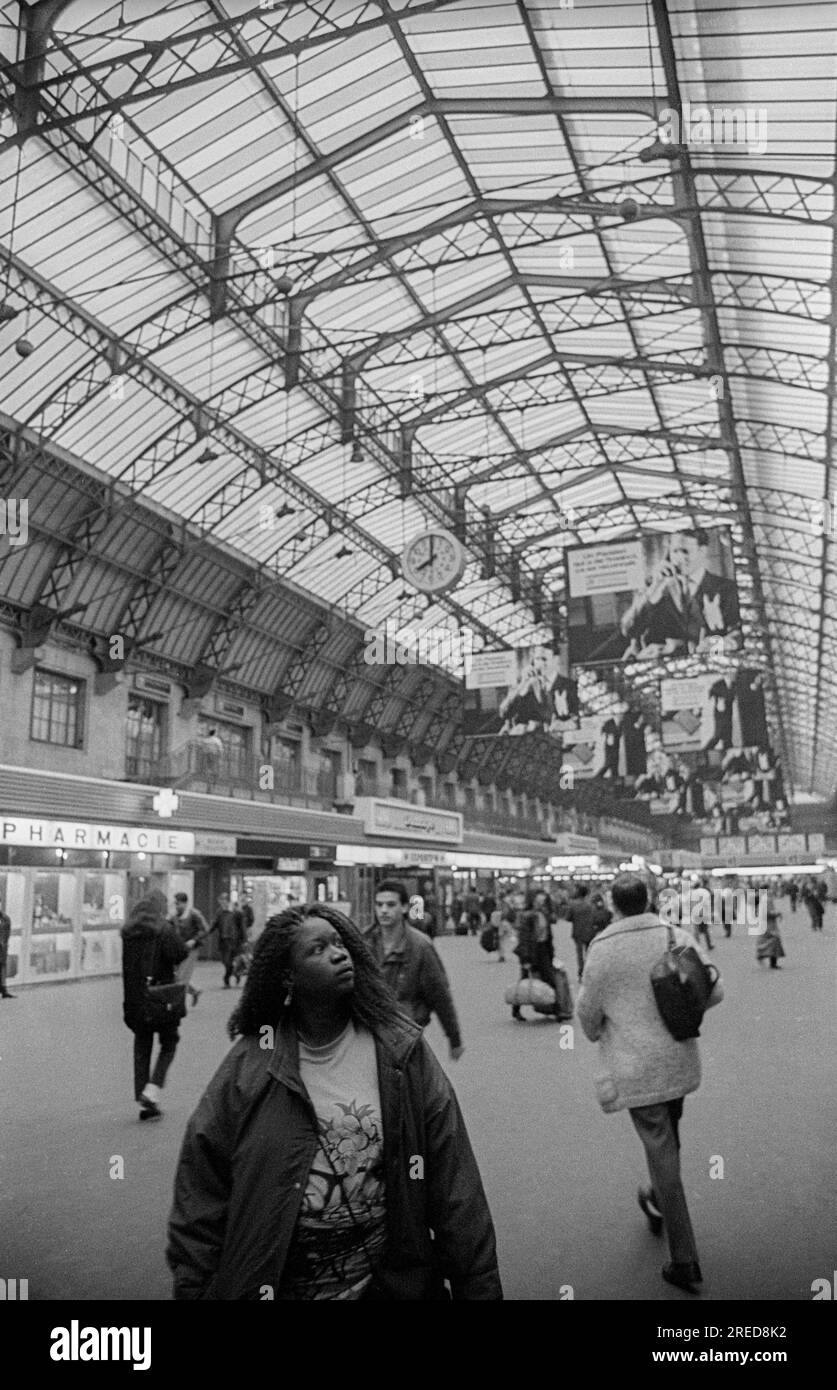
(164, 1005)
(682, 984)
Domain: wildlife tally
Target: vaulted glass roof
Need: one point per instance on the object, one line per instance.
(550, 273)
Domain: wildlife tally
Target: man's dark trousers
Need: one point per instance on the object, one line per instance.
(658, 1128)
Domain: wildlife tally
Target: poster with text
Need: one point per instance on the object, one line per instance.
(661, 594)
(527, 690)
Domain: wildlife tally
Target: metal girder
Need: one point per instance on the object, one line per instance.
(686, 191)
(435, 107)
(587, 286)
(133, 615)
(78, 548)
(352, 670)
(287, 693)
(381, 696)
(828, 550)
(179, 399)
(226, 628)
(134, 68)
(261, 332)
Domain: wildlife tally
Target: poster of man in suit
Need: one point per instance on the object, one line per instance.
(520, 691)
(661, 595)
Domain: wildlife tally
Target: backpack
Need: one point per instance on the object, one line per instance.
(682, 984)
(490, 938)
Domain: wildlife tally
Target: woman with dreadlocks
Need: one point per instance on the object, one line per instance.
(329, 1143)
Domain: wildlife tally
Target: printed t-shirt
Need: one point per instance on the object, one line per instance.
(327, 1258)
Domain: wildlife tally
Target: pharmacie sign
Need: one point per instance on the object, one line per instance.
(129, 839)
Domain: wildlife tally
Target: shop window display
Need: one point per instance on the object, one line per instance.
(12, 889)
(102, 916)
(53, 905)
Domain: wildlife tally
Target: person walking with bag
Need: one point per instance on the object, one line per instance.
(642, 1068)
(151, 949)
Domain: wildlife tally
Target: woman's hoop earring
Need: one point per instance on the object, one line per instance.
(289, 995)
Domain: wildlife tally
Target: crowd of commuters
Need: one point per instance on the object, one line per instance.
(305, 1201)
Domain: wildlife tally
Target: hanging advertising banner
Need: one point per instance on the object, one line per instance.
(527, 690)
(583, 747)
(661, 594)
(714, 710)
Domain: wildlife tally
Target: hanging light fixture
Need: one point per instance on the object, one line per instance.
(343, 552)
(357, 452)
(208, 455)
(7, 313)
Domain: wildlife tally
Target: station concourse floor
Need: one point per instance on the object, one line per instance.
(561, 1176)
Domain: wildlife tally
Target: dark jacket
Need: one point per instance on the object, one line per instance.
(417, 979)
(580, 914)
(150, 947)
(5, 933)
(529, 950)
(192, 926)
(230, 928)
(248, 1151)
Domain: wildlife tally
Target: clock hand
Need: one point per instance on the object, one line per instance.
(429, 560)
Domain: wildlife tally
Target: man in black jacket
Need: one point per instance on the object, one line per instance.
(230, 928)
(411, 964)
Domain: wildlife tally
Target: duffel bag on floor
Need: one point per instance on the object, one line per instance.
(489, 938)
(534, 992)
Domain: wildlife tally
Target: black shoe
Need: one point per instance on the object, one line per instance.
(7, 995)
(150, 1111)
(517, 1016)
(683, 1276)
(655, 1217)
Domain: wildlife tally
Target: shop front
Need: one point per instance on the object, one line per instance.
(68, 887)
(277, 875)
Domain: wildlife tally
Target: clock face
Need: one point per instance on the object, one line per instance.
(433, 561)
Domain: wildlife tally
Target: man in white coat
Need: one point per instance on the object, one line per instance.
(642, 1068)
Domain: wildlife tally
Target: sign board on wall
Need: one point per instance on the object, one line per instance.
(130, 839)
(408, 822)
(209, 844)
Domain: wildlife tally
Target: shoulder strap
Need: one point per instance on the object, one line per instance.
(151, 959)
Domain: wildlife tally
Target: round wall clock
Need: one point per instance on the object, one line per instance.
(433, 561)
